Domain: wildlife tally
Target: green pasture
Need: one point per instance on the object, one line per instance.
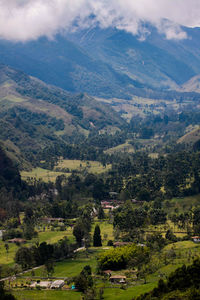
(47, 236)
(73, 266)
(129, 293)
(126, 147)
(39, 173)
(79, 165)
(182, 204)
(7, 258)
(109, 293)
(46, 295)
(52, 237)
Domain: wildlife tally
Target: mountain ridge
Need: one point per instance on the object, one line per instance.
(109, 63)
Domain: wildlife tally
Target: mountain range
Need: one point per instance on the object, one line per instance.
(111, 63)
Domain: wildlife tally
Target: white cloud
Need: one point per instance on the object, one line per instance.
(23, 20)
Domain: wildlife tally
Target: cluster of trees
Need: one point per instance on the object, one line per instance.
(177, 174)
(42, 253)
(11, 188)
(184, 283)
(120, 257)
(84, 280)
(189, 220)
(127, 217)
(82, 227)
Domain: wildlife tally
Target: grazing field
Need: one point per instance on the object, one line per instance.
(181, 204)
(109, 293)
(39, 173)
(73, 266)
(120, 294)
(52, 237)
(190, 137)
(46, 295)
(65, 167)
(47, 236)
(185, 246)
(126, 147)
(79, 165)
(7, 258)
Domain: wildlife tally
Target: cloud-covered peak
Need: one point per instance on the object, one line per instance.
(22, 20)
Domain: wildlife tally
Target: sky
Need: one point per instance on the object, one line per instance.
(24, 20)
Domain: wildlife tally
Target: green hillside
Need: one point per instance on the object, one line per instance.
(34, 116)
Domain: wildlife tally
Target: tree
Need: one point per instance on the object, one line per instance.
(157, 216)
(49, 267)
(101, 292)
(79, 232)
(101, 214)
(144, 195)
(24, 257)
(7, 248)
(84, 280)
(170, 236)
(97, 237)
(81, 283)
(29, 231)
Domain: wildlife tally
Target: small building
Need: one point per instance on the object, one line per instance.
(51, 220)
(17, 241)
(104, 203)
(111, 207)
(33, 285)
(196, 239)
(57, 284)
(44, 284)
(41, 284)
(118, 279)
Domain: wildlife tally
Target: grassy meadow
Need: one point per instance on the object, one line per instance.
(39, 173)
(47, 236)
(126, 147)
(63, 165)
(79, 165)
(73, 266)
(46, 295)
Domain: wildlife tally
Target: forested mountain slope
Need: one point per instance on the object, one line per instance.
(34, 115)
(110, 62)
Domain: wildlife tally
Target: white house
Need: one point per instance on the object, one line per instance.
(196, 239)
(57, 284)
